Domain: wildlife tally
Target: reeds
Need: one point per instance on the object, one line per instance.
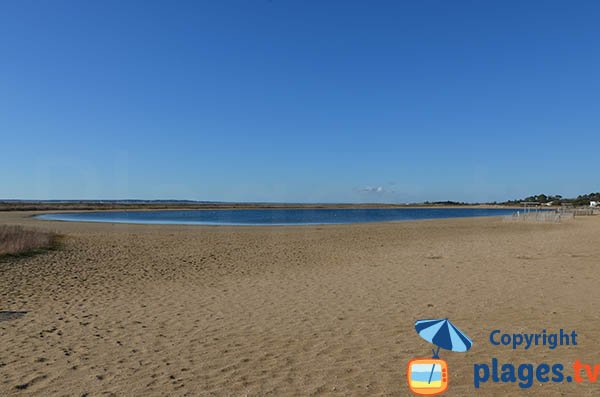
(17, 240)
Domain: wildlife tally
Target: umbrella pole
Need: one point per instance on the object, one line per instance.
(431, 374)
(435, 355)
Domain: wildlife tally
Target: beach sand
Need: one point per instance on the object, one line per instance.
(141, 310)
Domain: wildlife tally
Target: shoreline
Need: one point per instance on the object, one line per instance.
(30, 217)
(37, 214)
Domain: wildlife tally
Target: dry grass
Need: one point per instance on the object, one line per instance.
(17, 240)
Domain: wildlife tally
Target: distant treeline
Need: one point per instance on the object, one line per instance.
(581, 200)
(447, 202)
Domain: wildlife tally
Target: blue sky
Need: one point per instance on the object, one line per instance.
(303, 101)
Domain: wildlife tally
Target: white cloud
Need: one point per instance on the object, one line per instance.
(370, 189)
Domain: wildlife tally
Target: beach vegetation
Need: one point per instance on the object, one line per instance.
(18, 240)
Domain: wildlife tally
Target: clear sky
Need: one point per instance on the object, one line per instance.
(302, 101)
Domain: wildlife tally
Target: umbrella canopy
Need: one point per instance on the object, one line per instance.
(444, 334)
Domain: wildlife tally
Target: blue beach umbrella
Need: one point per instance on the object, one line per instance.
(443, 334)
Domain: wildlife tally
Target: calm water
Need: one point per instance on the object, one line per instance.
(274, 216)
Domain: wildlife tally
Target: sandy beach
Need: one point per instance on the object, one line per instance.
(142, 310)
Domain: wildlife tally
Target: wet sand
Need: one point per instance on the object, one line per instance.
(142, 310)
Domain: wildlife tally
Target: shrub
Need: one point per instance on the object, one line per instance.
(15, 240)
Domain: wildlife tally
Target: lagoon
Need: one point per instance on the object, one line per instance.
(273, 217)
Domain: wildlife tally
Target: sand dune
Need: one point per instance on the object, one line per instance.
(139, 310)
